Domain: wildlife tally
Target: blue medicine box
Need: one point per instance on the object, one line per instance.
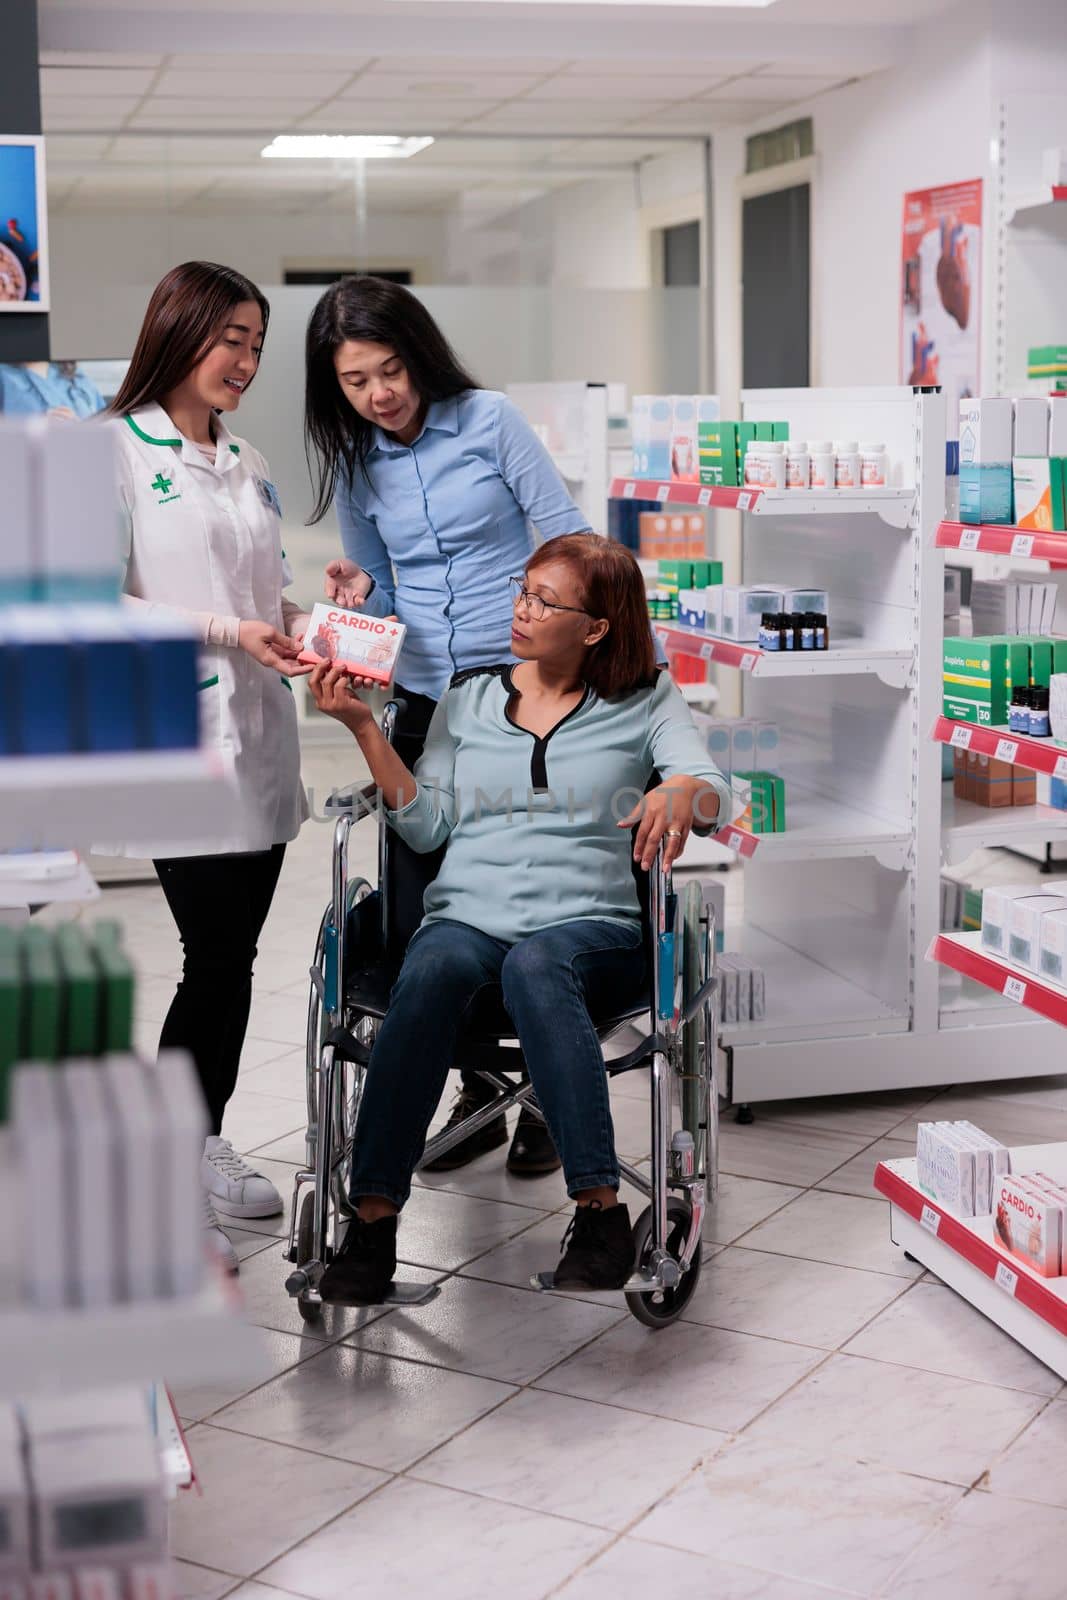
(42, 688)
(692, 608)
(167, 675)
(107, 664)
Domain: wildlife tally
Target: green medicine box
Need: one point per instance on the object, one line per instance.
(717, 450)
(706, 574)
(116, 1011)
(767, 802)
(1046, 361)
(769, 431)
(10, 1011)
(976, 675)
(39, 970)
(80, 1030)
(675, 575)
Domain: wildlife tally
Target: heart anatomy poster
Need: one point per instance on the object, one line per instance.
(941, 291)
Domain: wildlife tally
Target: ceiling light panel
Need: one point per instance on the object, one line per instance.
(341, 148)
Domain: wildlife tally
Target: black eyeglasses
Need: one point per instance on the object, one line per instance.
(534, 603)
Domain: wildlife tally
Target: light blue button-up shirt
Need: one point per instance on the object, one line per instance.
(451, 514)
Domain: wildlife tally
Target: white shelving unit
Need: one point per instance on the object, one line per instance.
(571, 420)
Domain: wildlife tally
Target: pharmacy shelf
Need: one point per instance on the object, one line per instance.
(1037, 755)
(965, 1254)
(1002, 540)
(966, 827)
(805, 1000)
(817, 829)
(891, 665)
(55, 802)
(895, 506)
(964, 954)
(1035, 200)
(199, 1340)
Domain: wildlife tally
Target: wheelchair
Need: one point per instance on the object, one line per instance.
(360, 946)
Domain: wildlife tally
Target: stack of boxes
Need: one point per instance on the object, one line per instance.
(1028, 928)
(672, 536)
(959, 1166)
(961, 907)
(980, 674)
(679, 588)
(723, 446)
(985, 781)
(742, 990)
(746, 752)
(665, 430)
(1013, 462)
(78, 674)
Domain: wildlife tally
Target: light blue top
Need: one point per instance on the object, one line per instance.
(531, 823)
(26, 393)
(449, 513)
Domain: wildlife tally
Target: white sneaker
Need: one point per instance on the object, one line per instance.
(236, 1189)
(216, 1243)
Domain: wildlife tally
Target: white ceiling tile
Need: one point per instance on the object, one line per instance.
(261, 112)
(700, 117)
(776, 89)
(697, 65)
(458, 66)
(442, 85)
(812, 69)
(82, 82)
(116, 108)
(243, 84)
(406, 117)
(621, 90)
(65, 147)
(565, 116)
(289, 60)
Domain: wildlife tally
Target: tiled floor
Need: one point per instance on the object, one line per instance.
(826, 1419)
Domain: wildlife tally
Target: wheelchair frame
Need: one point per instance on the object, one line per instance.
(680, 1049)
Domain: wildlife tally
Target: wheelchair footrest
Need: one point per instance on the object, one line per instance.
(643, 1281)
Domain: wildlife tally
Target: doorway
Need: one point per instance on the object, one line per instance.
(776, 288)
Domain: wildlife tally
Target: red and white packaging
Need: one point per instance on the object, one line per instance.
(97, 1583)
(365, 646)
(1029, 1225)
(1059, 1194)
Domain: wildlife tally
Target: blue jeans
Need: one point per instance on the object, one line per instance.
(550, 983)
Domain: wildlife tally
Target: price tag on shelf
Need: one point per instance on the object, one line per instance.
(663, 492)
(1060, 769)
(748, 661)
(629, 490)
(1022, 544)
(707, 651)
(1005, 1278)
(1015, 989)
(930, 1220)
(969, 538)
(704, 497)
(1007, 749)
(739, 839)
(961, 738)
(744, 501)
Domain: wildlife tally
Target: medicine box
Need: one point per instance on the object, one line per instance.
(993, 786)
(743, 609)
(1028, 1226)
(1031, 425)
(766, 431)
(996, 909)
(1046, 361)
(78, 518)
(660, 423)
(986, 427)
(684, 458)
(1057, 427)
(363, 645)
(945, 1169)
(1052, 951)
(1024, 926)
(1038, 489)
(692, 608)
(742, 744)
(977, 677)
(983, 1167)
(718, 453)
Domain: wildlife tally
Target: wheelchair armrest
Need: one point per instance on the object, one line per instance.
(354, 803)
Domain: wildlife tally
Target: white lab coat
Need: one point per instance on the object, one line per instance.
(206, 538)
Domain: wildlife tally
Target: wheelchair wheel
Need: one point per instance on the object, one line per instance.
(310, 1311)
(659, 1309)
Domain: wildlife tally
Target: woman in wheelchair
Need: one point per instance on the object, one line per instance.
(535, 775)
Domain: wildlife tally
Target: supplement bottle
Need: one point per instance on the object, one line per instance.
(797, 466)
(1019, 711)
(821, 463)
(846, 464)
(769, 632)
(874, 466)
(822, 631)
(807, 631)
(754, 465)
(773, 457)
(1040, 727)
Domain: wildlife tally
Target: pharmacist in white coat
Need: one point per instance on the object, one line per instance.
(203, 529)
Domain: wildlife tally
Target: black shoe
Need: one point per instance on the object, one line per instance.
(598, 1249)
(532, 1152)
(362, 1270)
(472, 1097)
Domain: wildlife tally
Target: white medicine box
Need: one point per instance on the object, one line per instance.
(743, 609)
(1024, 926)
(1052, 952)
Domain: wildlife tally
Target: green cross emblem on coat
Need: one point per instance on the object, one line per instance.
(161, 483)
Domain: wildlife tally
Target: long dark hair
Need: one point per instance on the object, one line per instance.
(188, 310)
(612, 586)
(336, 437)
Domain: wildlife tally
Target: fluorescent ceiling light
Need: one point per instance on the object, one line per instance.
(344, 146)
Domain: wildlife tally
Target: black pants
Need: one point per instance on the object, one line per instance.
(408, 742)
(220, 904)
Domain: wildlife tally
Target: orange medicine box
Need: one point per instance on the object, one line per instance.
(365, 646)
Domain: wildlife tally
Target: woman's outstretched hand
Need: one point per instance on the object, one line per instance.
(334, 692)
(347, 584)
(265, 644)
(669, 812)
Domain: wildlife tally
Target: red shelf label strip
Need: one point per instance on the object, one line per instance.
(1028, 992)
(951, 1232)
(1036, 755)
(685, 494)
(1002, 540)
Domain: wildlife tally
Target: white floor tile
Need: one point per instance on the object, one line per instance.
(707, 1376)
(252, 1119)
(845, 1230)
(510, 1334)
(805, 1302)
(258, 1499)
(489, 1179)
(570, 1458)
(417, 1539)
(740, 1204)
(1035, 1466)
(200, 1583)
(1013, 1118)
(536, 1249)
(284, 1076)
(633, 1570)
(989, 1547)
(361, 1407)
(801, 1514)
(446, 1230)
(899, 1417)
(282, 1017)
(784, 1152)
(933, 1328)
(279, 1352)
(866, 1116)
(261, 1286)
(857, 1175)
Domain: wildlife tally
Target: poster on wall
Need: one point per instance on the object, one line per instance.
(23, 225)
(941, 290)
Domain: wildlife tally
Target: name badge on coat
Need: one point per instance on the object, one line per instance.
(269, 495)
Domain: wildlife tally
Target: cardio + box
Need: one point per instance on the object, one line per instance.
(365, 646)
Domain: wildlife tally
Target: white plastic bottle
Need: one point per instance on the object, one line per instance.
(754, 465)
(797, 465)
(846, 464)
(874, 466)
(773, 456)
(821, 457)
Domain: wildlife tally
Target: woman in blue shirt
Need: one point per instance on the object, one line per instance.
(533, 776)
(436, 481)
